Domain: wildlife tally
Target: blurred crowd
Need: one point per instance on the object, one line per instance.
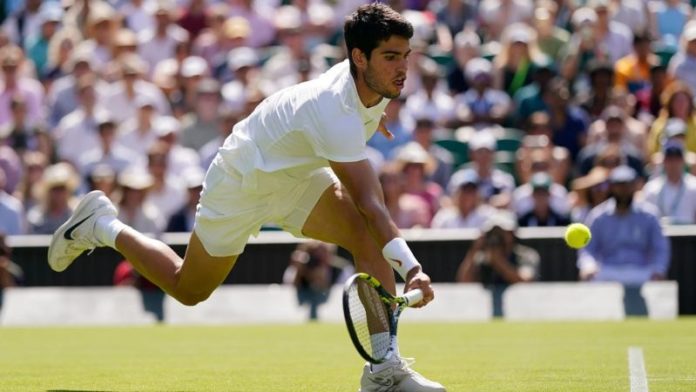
(524, 106)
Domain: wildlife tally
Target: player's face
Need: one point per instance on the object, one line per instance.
(386, 70)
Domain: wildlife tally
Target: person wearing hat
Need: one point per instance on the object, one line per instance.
(407, 211)
(50, 15)
(496, 15)
(518, 57)
(101, 24)
(588, 192)
(123, 94)
(159, 42)
(495, 186)
(551, 37)
(673, 191)
(137, 15)
(134, 210)
(77, 132)
(179, 158)
(243, 64)
(417, 165)
(614, 39)
(681, 66)
(628, 244)
(55, 194)
(540, 161)
(13, 83)
(167, 192)
(542, 214)
(467, 210)
(299, 160)
(482, 105)
(184, 218)
(529, 99)
(108, 151)
(430, 99)
(569, 122)
(102, 177)
(497, 259)
(137, 133)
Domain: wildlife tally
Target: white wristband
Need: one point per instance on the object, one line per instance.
(399, 256)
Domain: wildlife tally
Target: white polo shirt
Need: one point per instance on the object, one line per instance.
(303, 127)
(677, 202)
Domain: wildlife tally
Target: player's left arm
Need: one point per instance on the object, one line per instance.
(363, 186)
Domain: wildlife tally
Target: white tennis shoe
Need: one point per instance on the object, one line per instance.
(77, 234)
(397, 378)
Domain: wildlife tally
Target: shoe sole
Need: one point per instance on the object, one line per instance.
(77, 215)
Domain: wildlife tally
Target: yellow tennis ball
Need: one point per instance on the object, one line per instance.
(577, 235)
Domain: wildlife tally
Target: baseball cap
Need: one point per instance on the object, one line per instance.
(165, 125)
(476, 67)
(519, 32)
(462, 178)
(583, 16)
(689, 33)
(236, 27)
(135, 178)
(503, 219)
(673, 148)
(541, 180)
(194, 66)
(143, 100)
(674, 127)
(193, 177)
(50, 12)
(613, 113)
(242, 57)
(483, 139)
(622, 174)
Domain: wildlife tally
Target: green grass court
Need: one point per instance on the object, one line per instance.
(495, 356)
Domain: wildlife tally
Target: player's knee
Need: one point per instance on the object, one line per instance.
(190, 298)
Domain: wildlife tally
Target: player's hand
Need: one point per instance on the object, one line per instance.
(417, 279)
(382, 127)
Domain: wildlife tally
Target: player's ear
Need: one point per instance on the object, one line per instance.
(359, 58)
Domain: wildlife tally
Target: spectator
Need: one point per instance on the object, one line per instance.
(313, 269)
(101, 26)
(677, 103)
(138, 14)
(589, 191)
(11, 211)
(406, 210)
(529, 99)
(569, 122)
(166, 193)
(102, 177)
(37, 46)
(416, 165)
(517, 59)
(133, 208)
(10, 273)
(60, 50)
(453, 16)
(467, 210)
(540, 138)
(17, 134)
(595, 97)
(122, 95)
(193, 18)
(15, 85)
(682, 65)
(108, 151)
(225, 34)
(24, 23)
(496, 15)
(137, 133)
(668, 20)
(627, 244)
(524, 196)
(203, 125)
(182, 220)
(193, 70)
(497, 259)
(260, 21)
(673, 192)
(613, 36)
(542, 213)
(631, 13)
(77, 132)
(633, 71)
(55, 192)
(551, 38)
(423, 134)
(228, 118)
(467, 45)
(244, 64)
(633, 133)
(34, 164)
(648, 103)
(432, 99)
(159, 42)
(179, 159)
(482, 105)
(495, 186)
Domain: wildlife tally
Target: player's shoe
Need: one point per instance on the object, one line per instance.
(397, 378)
(77, 234)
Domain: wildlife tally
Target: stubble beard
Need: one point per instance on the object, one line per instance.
(373, 83)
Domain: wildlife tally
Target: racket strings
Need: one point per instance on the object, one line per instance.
(370, 319)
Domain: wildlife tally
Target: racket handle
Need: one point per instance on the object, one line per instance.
(413, 297)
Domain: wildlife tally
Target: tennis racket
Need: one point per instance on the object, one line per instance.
(372, 314)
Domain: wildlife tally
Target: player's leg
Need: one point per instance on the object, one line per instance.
(190, 280)
(336, 219)
(94, 224)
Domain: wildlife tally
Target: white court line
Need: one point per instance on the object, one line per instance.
(636, 370)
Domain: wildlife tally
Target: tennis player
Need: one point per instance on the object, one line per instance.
(299, 160)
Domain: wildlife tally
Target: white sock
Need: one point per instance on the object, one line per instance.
(106, 230)
(395, 358)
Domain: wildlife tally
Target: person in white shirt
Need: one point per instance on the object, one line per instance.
(108, 152)
(467, 210)
(136, 133)
(179, 158)
(159, 42)
(481, 105)
(137, 14)
(299, 160)
(673, 192)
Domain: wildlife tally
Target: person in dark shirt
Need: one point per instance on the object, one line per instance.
(542, 214)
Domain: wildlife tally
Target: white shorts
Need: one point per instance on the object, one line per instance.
(234, 206)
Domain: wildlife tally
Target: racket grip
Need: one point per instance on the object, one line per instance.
(413, 297)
